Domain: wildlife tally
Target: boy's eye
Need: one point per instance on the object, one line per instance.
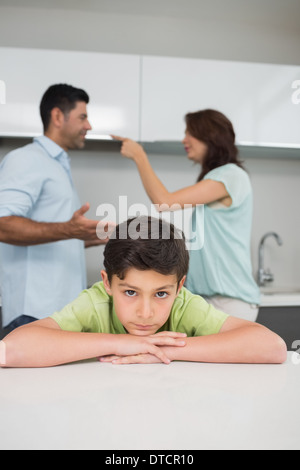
(161, 295)
(130, 293)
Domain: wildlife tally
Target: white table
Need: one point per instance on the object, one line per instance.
(184, 406)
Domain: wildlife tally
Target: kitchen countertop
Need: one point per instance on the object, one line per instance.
(275, 297)
(90, 405)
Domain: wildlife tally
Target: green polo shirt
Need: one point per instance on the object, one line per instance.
(93, 311)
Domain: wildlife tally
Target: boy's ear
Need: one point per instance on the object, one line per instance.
(180, 285)
(106, 282)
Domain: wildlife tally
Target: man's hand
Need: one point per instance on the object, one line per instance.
(104, 231)
(80, 227)
(92, 232)
(145, 349)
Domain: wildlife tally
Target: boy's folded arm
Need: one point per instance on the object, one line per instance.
(238, 341)
(44, 344)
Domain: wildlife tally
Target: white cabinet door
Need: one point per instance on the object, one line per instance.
(111, 80)
(257, 98)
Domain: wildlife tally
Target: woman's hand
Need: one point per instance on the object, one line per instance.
(145, 349)
(130, 148)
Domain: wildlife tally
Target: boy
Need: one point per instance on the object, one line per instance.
(141, 313)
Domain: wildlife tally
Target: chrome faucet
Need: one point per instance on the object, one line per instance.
(265, 276)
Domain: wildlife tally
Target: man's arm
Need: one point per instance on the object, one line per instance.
(21, 231)
(44, 344)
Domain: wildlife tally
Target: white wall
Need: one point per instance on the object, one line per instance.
(255, 31)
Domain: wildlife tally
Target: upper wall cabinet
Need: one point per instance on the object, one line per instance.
(111, 80)
(257, 98)
(146, 98)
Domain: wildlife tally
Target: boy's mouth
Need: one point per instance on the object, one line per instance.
(143, 327)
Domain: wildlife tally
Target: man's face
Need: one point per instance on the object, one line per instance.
(143, 299)
(75, 126)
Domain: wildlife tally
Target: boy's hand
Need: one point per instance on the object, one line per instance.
(144, 349)
(137, 359)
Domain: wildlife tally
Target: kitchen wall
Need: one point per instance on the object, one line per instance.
(256, 31)
(268, 32)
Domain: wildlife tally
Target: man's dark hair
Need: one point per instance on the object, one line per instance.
(146, 243)
(60, 96)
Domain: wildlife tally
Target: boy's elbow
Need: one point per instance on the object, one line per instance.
(279, 350)
(271, 347)
(282, 352)
(2, 354)
(12, 353)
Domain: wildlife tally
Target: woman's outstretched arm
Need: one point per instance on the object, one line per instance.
(204, 192)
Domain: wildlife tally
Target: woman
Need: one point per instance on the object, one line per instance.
(221, 271)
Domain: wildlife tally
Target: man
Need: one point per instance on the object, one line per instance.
(43, 229)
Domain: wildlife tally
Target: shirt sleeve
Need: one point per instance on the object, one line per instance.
(21, 182)
(78, 316)
(235, 180)
(192, 315)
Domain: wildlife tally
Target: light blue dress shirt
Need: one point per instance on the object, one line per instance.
(36, 183)
(223, 265)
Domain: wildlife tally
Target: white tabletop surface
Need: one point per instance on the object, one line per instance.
(185, 406)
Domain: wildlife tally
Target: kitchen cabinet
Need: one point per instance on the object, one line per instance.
(285, 321)
(111, 80)
(259, 99)
(147, 97)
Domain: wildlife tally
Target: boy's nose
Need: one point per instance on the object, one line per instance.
(145, 310)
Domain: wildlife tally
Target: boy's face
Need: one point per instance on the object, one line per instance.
(143, 299)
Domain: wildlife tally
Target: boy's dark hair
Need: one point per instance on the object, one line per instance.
(60, 96)
(146, 243)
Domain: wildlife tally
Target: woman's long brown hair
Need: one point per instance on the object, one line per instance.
(216, 131)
